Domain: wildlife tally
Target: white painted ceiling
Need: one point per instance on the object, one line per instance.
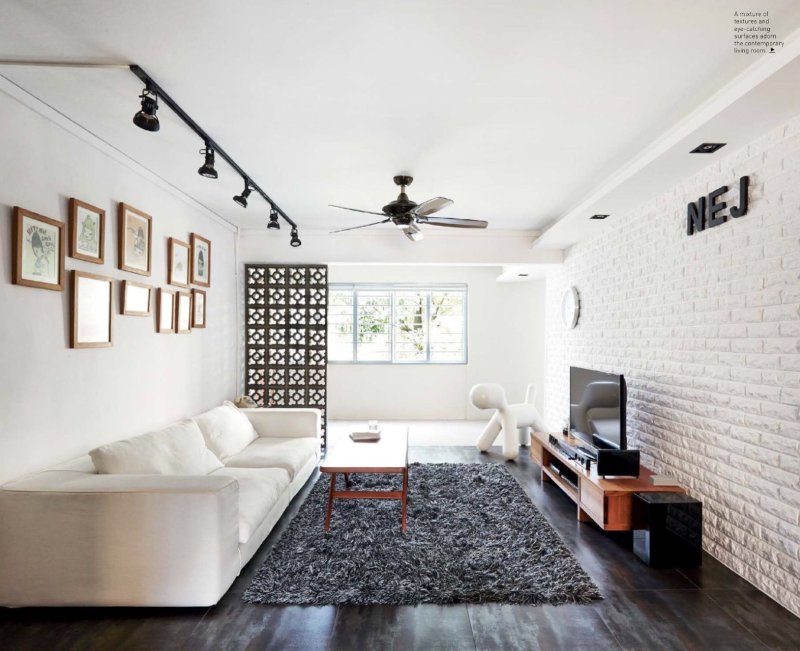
(515, 109)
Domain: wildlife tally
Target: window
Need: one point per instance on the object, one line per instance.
(397, 324)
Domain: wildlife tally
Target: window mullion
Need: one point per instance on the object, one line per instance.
(355, 325)
(428, 327)
(391, 327)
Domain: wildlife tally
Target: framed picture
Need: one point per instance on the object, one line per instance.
(135, 240)
(198, 308)
(38, 250)
(87, 228)
(201, 260)
(178, 263)
(165, 314)
(91, 310)
(135, 298)
(183, 317)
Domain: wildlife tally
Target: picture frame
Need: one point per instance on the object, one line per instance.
(165, 311)
(198, 308)
(135, 240)
(91, 313)
(177, 263)
(200, 260)
(38, 250)
(136, 298)
(183, 313)
(87, 231)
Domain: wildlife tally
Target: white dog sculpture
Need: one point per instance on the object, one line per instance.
(515, 420)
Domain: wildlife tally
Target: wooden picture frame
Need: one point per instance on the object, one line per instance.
(87, 231)
(132, 299)
(91, 313)
(200, 260)
(135, 240)
(178, 254)
(165, 311)
(198, 308)
(38, 250)
(183, 313)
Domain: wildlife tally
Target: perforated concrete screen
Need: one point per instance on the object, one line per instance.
(286, 315)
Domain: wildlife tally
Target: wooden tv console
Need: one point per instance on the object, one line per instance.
(608, 502)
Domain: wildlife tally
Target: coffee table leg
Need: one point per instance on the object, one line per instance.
(404, 498)
(347, 480)
(330, 502)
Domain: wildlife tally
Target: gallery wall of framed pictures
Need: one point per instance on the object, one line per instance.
(41, 245)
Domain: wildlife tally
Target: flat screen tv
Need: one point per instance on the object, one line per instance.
(597, 407)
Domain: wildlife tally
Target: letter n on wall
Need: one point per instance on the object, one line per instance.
(696, 216)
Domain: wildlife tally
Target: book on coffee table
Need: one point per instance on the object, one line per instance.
(366, 435)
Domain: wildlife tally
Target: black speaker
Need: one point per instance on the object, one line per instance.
(618, 463)
(669, 529)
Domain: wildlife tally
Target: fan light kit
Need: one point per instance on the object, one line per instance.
(408, 216)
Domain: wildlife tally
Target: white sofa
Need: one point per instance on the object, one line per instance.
(72, 537)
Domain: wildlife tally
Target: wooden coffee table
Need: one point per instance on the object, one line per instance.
(387, 456)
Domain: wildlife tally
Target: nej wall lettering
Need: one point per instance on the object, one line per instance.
(698, 218)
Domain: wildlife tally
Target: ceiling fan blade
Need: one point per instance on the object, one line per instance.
(352, 228)
(431, 206)
(368, 212)
(454, 222)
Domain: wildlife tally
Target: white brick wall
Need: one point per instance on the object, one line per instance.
(706, 330)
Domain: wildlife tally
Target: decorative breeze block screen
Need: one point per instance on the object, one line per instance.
(286, 330)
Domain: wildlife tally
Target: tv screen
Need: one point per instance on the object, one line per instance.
(597, 407)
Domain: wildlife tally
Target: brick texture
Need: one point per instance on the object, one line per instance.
(706, 330)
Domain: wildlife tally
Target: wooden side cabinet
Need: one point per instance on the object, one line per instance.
(607, 502)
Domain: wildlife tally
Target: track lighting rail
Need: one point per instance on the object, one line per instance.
(210, 143)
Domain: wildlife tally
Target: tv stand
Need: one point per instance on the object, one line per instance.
(607, 502)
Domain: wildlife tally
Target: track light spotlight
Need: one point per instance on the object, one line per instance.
(207, 168)
(295, 241)
(241, 199)
(273, 219)
(146, 117)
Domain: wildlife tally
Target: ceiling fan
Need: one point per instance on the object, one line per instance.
(408, 215)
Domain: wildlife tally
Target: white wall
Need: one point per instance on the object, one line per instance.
(706, 330)
(506, 334)
(55, 402)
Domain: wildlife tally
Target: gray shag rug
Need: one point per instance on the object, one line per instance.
(473, 536)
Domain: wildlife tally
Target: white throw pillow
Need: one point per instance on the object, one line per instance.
(175, 450)
(226, 430)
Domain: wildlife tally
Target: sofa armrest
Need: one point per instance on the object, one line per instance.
(118, 540)
(286, 422)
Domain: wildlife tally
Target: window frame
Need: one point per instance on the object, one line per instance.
(392, 288)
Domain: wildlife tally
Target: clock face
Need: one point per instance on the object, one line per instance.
(570, 308)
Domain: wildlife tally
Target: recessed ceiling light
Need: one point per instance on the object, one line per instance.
(522, 275)
(598, 217)
(708, 147)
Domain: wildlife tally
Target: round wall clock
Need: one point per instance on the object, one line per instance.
(570, 308)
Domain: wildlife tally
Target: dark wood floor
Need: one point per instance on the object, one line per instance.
(644, 609)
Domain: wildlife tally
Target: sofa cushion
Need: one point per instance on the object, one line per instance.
(259, 491)
(291, 454)
(175, 450)
(226, 430)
